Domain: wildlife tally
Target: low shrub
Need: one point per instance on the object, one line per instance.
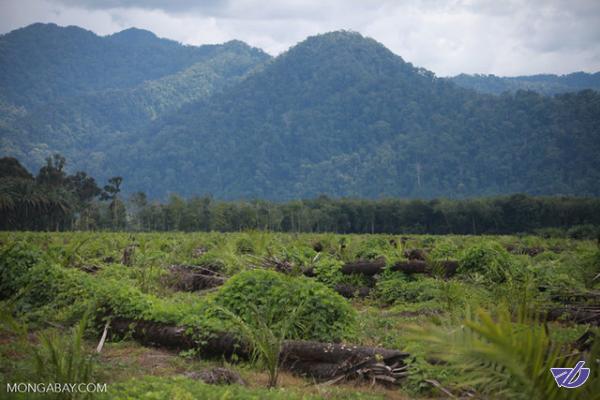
(328, 270)
(396, 287)
(444, 249)
(323, 314)
(373, 248)
(16, 260)
(488, 260)
(584, 232)
(244, 246)
(548, 233)
(54, 293)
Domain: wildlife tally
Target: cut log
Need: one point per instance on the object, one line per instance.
(351, 291)
(190, 278)
(364, 267)
(448, 268)
(375, 267)
(310, 358)
(153, 333)
(415, 254)
(306, 350)
(585, 341)
(576, 314)
(326, 361)
(573, 297)
(412, 267)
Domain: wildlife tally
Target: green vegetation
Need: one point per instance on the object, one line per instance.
(488, 261)
(184, 389)
(58, 358)
(394, 287)
(35, 57)
(55, 200)
(297, 295)
(509, 359)
(545, 84)
(482, 331)
(337, 114)
(319, 312)
(266, 331)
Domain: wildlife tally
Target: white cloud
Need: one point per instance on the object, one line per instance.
(447, 37)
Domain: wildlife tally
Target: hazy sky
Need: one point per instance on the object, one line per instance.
(513, 37)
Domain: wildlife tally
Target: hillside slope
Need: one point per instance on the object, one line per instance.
(546, 84)
(84, 92)
(342, 115)
(337, 114)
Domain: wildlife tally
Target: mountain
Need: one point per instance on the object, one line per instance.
(68, 90)
(337, 114)
(318, 106)
(545, 84)
(43, 62)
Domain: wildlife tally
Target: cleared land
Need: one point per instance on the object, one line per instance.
(354, 316)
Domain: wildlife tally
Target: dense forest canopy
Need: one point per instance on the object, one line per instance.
(547, 84)
(55, 200)
(337, 114)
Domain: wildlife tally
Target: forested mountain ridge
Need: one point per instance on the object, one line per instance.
(90, 122)
(547, 84)
(68, 90)
(337, 114)
(43, 62)
(342, 115)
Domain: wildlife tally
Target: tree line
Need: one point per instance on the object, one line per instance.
(54, 200)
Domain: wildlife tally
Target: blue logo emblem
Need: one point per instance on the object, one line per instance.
(571, 378)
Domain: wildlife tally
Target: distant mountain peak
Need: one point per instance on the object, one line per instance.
(340, 34)
(338, 37)
(344, 41)
(41, 28)
(240, 45)
(134, 35)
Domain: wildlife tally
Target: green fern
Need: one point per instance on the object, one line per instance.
(63, 359)
(265, 336)
(505, 359)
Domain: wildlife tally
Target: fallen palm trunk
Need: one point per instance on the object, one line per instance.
(416, 254)
(350, 291)
(364, 267)
(318, 360)
(152, 333)
(184, 278)
(577, 314)
(326, 361)
(375, 267)
(191, 278)
(572, 297)
(447, 268)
